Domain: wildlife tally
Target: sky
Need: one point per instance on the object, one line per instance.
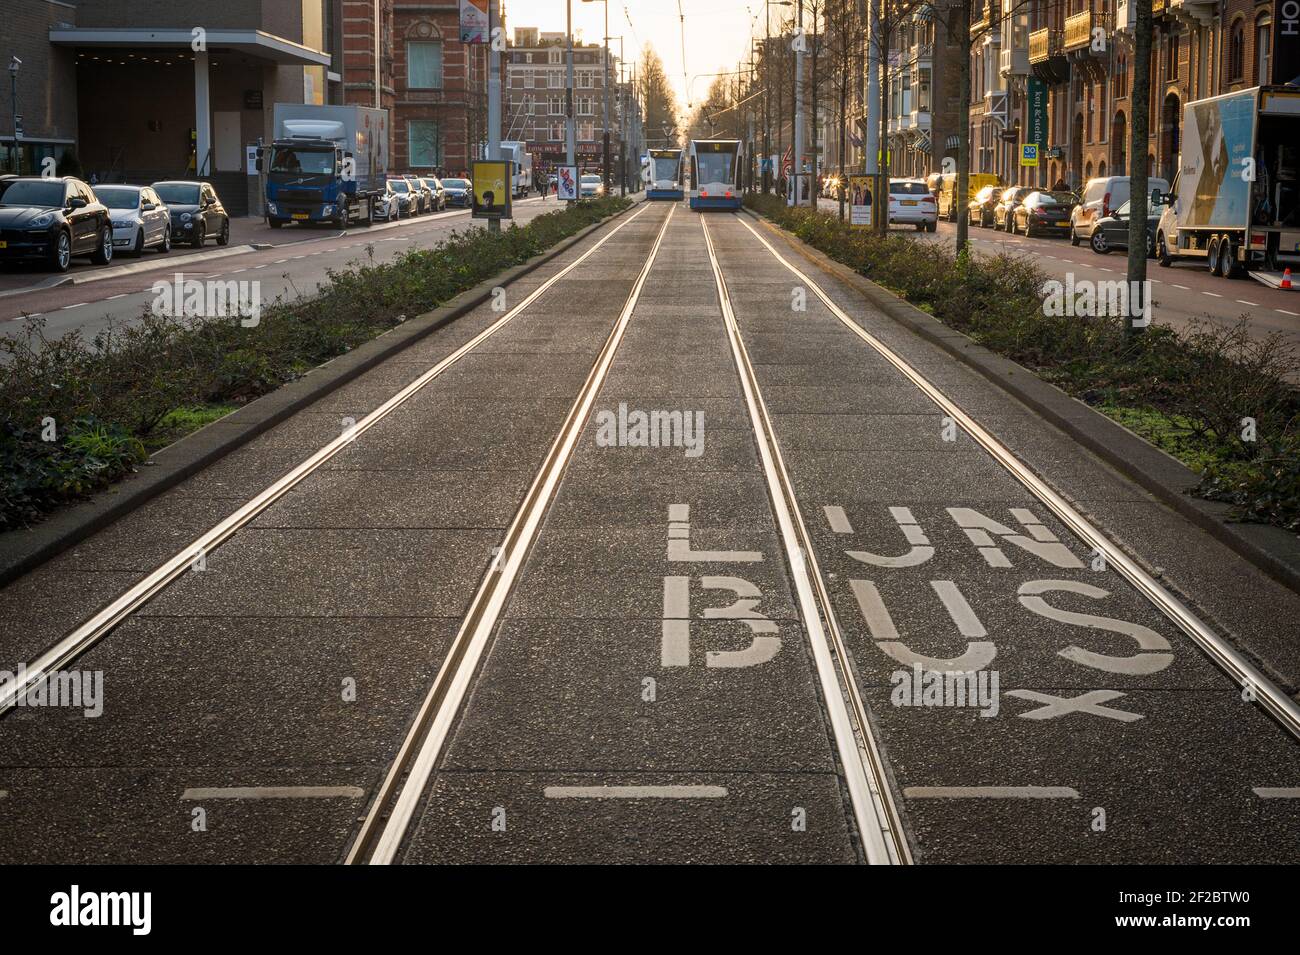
(717, 32)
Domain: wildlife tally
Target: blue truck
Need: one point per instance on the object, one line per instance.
(327, 164)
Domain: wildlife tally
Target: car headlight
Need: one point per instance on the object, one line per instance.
(270, 207)
(42, 220)
(122, 224)
(328, 210)
(186, 216)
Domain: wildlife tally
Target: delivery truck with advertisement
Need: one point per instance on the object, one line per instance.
(326, 164)
(1235, 199)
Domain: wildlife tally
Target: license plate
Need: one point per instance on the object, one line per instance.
(3, 244)
(1063, 225)
(909, 202)
(301, 215)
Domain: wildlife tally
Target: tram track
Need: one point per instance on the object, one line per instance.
(395, 806)
(1227, 658)
(85, 636)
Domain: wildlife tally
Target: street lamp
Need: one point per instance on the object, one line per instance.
(604, 82)
(15, 65)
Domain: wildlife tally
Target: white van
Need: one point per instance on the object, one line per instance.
(1101, 197)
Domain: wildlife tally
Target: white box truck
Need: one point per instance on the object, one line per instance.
(1235, 200)
(325, 164)
(522, 170)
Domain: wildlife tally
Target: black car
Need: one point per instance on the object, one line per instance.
(982, 205)
(1005, 206)
(1044, 213)
(458, 192)
(52, 220)
(1111, 232)
(197, 213)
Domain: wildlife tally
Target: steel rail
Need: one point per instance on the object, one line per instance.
(394, 807)
(878, 820)
(91, 631)
(1228, 658)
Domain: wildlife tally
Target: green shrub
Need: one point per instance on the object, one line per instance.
(1221, 399)
(136, 386)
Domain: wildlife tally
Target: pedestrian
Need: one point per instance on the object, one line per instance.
(1061, 186)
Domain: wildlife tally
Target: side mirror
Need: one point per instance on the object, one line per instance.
(76, 202)
(146, 207)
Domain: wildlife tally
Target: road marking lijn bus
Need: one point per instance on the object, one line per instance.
(91, 631)
(878, 821)
(1274, 701)
(402, 791)
(275, 792)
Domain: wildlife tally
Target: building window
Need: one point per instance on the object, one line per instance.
(424, 64)
(553, 55)
(554, 79)
(557, 132)
(557, 106)
(587, 131)
(584, 106)
(1237, 52)
(586, 79)
(424, 143)
(1263, 60)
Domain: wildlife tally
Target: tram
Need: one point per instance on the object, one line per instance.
(715, 173)
(664, 174)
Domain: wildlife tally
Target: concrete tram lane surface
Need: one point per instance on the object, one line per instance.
(318, 625)
(649, 686)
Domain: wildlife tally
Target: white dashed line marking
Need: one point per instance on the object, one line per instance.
(78, 305)
(635, 792)
(1183, 287)
(1285, 312)
(1277, 792)
(1242, 301)
(1212, 294)
(990, 792)
(112, 298)
(276, 792)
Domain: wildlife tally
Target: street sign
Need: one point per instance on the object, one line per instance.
(18, 128)
(860, 202)
(473, 21)
(491, 182)
(1029, 154)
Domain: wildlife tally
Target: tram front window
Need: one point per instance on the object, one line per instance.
(665, 169)
(715, 167)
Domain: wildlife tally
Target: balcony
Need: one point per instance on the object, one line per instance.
(1043, 45)
(1014, 62)
(1078, 30)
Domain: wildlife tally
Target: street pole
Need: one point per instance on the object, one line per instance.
(605, 83)
(796, 161)
(767, 96)
(570, 132)
(14, 64)
(494, 103)
(873, 102)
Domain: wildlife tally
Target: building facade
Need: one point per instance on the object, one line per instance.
(535, 107)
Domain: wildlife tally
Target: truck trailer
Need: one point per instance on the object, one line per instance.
(326, 164)
(521, 168)
(1235, 200)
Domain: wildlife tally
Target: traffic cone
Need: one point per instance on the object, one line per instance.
(1286, 278)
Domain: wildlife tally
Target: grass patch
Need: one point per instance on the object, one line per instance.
(77, 415)
(1221, 400)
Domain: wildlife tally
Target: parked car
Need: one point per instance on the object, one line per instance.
(1111, 232)
(458, 192)
(982, 206)
(5, 179)
(406, 198)
(387, 204)
(196, 212)
(1100, 198)
(423, 195)
(1006, 204)
(1043, 213)
(590, 186)
(434, 185)
(140, 218)
(910, 203)
(53, 220)
(951, 206)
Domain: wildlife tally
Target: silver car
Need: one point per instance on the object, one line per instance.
(140, 218)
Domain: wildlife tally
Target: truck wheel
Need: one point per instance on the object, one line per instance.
(1228, 268)
(275, 223)
(1212, 256)
(1162, 251)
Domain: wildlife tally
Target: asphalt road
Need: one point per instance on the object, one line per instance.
(651, 692)
(295, 267)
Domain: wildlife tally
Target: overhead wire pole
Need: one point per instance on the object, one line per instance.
(494, 102)
(796, 161)
(604, 82)
(570, 132)
(872, 138)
